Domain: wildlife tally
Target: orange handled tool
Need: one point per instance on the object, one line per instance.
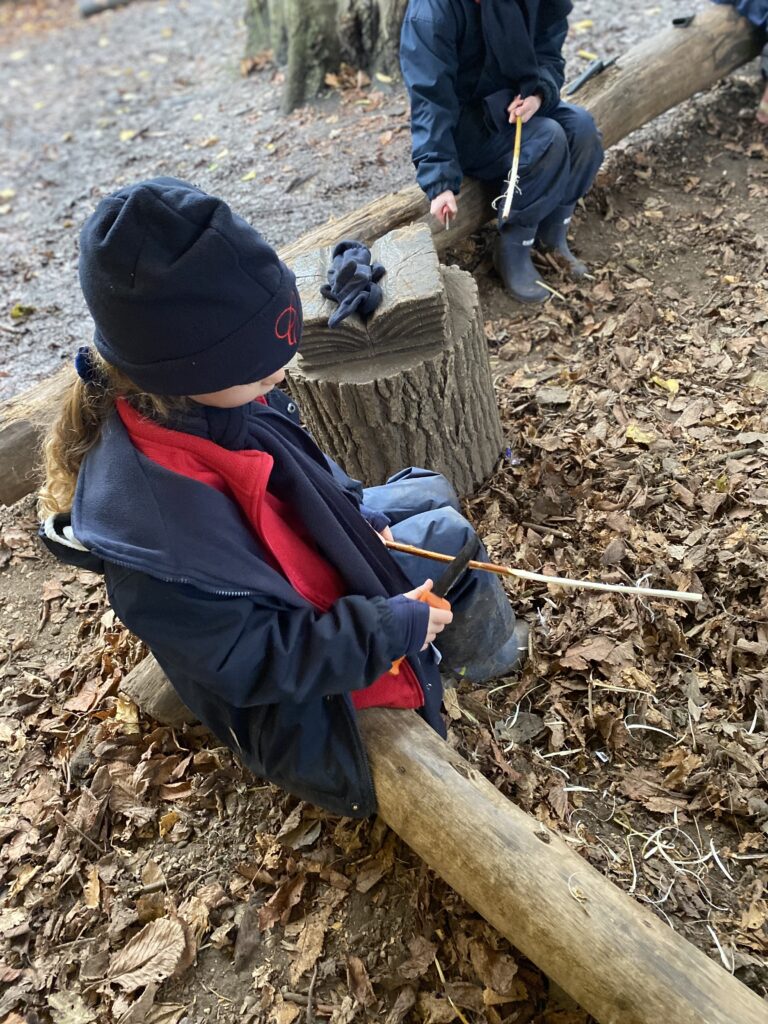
(430, 598)
(435, 597)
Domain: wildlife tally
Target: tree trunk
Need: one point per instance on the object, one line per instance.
(369, 31)
(622, 99)
(359, 383)
(610, 954)
(313, 37)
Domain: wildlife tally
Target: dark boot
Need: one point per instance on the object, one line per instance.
(552, 237)
(512, 259)
(485, 640)
(503, 661)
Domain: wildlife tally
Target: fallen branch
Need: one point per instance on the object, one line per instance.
(619, 961)
(559, 581)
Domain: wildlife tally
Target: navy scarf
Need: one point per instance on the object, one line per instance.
(301, 477)
(510, 29)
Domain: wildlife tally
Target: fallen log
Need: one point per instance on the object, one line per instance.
(23, 421)
(668, 68)
(648, 80)
(615, 958)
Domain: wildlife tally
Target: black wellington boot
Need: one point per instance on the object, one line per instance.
(512, 259)
(508, 658)
(552, 236)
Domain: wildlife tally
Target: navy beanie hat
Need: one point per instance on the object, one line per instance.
(187, 298)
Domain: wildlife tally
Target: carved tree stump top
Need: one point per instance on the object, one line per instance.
(411, 386)
(408, 326)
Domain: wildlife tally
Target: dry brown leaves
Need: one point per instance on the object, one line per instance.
(638, 452)
(635, 416)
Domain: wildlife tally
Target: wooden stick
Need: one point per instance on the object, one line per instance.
(560, 581)
(514, 170)
(551, 290)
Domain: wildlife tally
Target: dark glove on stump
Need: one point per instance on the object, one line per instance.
(352, 281)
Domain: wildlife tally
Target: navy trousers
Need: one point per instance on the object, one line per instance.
(424, 511)
(559, 157)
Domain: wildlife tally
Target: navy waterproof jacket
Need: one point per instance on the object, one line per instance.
(755, 10)
(261, 668)
(442, 54)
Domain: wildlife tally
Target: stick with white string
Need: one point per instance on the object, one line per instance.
(514, 171)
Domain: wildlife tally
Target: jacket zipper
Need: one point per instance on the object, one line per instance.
(183, 579)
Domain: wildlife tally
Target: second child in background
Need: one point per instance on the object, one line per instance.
(472, 67)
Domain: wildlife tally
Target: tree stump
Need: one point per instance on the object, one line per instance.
(411, 386)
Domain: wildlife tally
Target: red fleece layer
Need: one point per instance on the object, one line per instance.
(244, 476)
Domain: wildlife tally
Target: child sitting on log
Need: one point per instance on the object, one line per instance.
(471, 68)
(249, 563)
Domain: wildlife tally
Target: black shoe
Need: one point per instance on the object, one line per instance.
(512, 259)
(552, 236)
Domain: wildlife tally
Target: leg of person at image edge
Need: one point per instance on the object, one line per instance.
(559, 158)
(485, 640)
(762, 110)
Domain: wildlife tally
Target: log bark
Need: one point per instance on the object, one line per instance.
(23, 421)
(19, 460)
(668, 68)
(622, 964)
(648, 80)
(149, 689)
(356, 384)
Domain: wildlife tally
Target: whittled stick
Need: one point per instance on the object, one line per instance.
(513, 172)
(560, 581)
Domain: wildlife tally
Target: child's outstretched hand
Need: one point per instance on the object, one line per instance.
(439, 618)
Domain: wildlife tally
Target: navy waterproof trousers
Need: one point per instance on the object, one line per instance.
(424, 512)
(559, 158)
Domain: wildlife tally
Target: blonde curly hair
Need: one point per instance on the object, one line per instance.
(77, 427)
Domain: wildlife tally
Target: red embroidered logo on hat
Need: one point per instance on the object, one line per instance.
(286, 326)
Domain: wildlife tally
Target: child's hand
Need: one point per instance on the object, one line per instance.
(523, 108)
(386, 534)
(438, 617)
(444, 203)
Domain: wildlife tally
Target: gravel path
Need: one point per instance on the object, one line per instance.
(155, 88)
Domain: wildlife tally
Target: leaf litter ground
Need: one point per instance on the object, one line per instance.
(148, 877)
